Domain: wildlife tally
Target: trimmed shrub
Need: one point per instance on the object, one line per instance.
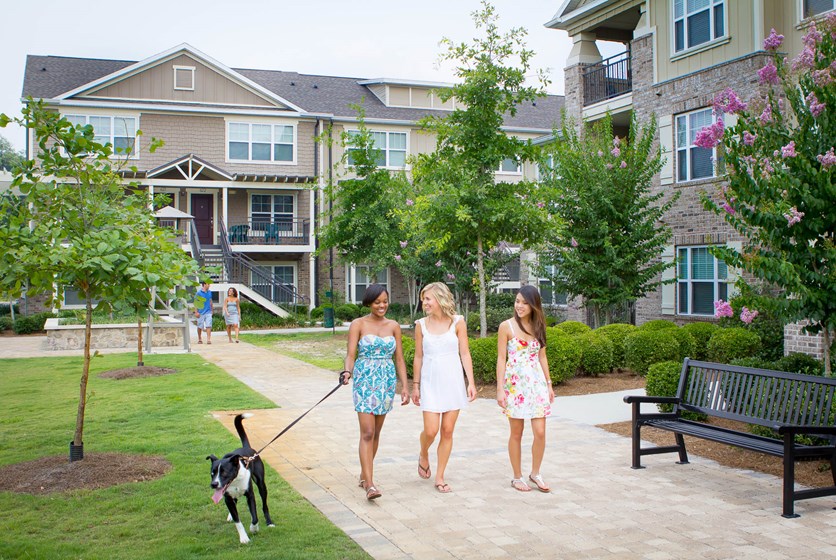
(483, 353)
(494, 316)
(701, 331)
(663, 381)
(754, 362)
(318, 312)
(500, 300)
(658, 325)
(29, 324)
(573, 327)
(554, 332)
(687, 344)
(647, 347)
(347, 312)
(729, 344)
(617, 334)
(408, 345)
(564, 356)
(5, 323)
(4, 309)
(596, 353)
(800, 363)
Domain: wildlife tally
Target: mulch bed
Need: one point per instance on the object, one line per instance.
(97, 470)
(137, 371)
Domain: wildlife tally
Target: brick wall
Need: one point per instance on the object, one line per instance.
(795, 340)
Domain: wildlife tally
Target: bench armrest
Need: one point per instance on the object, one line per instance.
(650, 399)
(792, 429)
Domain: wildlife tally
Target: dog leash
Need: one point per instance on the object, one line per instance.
(341, 382)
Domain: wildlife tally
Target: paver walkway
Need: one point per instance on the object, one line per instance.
(599, 507)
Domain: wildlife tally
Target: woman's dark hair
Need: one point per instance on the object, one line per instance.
(372, 293)
(234, 292)
(538, 319)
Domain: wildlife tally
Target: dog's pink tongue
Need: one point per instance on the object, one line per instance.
(218, 495)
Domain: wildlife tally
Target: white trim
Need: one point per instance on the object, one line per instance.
(802, 20)
(135, 151)
(170, 54)
(351, 281)
(387, 149)
(712, 41)
(408, 83)
(268, 263)
(273, 124)
(214, 193)
(189, 68)
(175, 107)
(716, 281)
(689, 146)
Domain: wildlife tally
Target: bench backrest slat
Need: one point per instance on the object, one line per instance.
(764, 397)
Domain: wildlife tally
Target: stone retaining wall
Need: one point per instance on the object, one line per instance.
(71, 337)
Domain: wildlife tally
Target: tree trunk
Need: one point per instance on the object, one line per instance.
(85, 372)
(139, 341)
(827, 340)
(480, 266)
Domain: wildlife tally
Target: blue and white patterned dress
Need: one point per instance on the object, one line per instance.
(374, 375)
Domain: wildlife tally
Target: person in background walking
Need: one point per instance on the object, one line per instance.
(203, 311)
(523, 385)
(441, 353)
(373, 341)
(232, 313)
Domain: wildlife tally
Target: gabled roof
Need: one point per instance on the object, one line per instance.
(191, 167)
(573, 9)
(55, 77)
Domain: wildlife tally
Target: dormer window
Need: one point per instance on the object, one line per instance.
(184, 78)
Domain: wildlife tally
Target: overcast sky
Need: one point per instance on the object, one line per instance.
(361, 38)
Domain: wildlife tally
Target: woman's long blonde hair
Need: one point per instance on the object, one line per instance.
(443, 296)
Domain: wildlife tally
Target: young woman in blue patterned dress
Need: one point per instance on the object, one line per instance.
(373, 341)
(523, 385)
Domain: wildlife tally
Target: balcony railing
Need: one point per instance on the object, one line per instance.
(256, 231)
(609, 78)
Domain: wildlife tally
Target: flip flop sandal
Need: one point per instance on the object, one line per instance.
(520, 485)
(538, 481)
(362, 484)
(372, 493)
(423, 472)
(443, 488)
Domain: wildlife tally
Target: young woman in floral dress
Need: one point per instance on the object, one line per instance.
(523, 385)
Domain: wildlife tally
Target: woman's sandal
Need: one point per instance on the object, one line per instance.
(362, 484)
(423, 472)
(520, 485)
(538, 481)
(443, 488)
(372, 493)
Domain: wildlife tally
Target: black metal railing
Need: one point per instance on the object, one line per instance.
(609, 78)
(256, 231)
(194, 241)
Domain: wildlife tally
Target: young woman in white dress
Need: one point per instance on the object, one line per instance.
(442, 359)
(523, 385)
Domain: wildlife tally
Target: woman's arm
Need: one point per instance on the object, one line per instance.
(223, 306)
(501, 361)
(416, 364)
(351, 349)
(467, 361)
(400, 365)
(544, 365)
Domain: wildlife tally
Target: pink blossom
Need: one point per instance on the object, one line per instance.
(793, 216)
(541, 205)
(748, 316)
(623, 164)
(616, 141)
(767, 166)
(404, 244)
(438, 264)
(723, 309)
(409, 202)
(573, 242)
(749, 138)
(768, 74)
(822, 78)
(816, 108)
(813, 37)
(397, 257)
(788, 151)
(451, 277)
(710, 136)
(728, 102)
(827, 159)
(615, 152)
(774, 41)
(805, 59)
(766, 115)
(728, 208)
(609, 166)
(600, 153)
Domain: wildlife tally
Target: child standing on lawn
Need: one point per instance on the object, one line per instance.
(441, 353)
(523, 385)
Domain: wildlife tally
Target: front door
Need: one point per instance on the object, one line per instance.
(203, 212)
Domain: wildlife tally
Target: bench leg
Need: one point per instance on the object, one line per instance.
(637, 444)
(789, 476)
(683, 454)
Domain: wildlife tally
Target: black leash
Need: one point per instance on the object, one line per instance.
(280, 434)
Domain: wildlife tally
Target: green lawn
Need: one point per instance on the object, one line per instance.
(322, 349)
(169, 518)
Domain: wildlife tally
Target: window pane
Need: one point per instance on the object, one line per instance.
(101, 126)
(123, 145)
(77, 120)
(699, 30)
(702, 301)
(696, 5)
(702, 264)
(682, 259)
(239, 150)
(681, 132)
(719, 30)
(682, 165)
(283, 203)
(701, 164)
(262, 133)
(261, 152)
(722, 291)
(261, 203)
(698, 121)
(284, 152)
(397, 141)
(683, 298)
(815, 7)
(361, 276)
(284, 134)
(722, 270)
(678, 8)
(124, 127)
(380, 159)
(284, 274)
(679, 35)
(239, 132)
(509, 165)
(379, 140)
(397, 159)
(546, 292)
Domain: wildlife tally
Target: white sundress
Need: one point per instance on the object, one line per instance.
(442, 376)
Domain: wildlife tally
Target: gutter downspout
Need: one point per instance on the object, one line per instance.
(318, 178)
(330, 218)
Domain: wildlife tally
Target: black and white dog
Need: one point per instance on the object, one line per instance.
(232, 478)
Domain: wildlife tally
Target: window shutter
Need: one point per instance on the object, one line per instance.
(666, 146)
(733, 272)
(668, 290)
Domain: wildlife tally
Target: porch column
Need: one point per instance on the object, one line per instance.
(151, 197)
(584, 50)
(225, 206)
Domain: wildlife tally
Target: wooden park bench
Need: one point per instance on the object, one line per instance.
(788, 403)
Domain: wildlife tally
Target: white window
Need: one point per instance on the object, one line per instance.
(693, 162)
(548, 294)
(272, 214)
(701, 280)
(361, 277)
(509, 165)
(697, 21)
(119, 132)
(813, 8)
(390, 147)
(184, 78)
(276, 282)
(546, 169)
(261, 142)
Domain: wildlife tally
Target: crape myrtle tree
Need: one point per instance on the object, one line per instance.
(607, 250)
(780, 192)
(81, 228)
(463, 207)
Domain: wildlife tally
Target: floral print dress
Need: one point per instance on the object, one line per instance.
(526, 391)
(374, 375)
